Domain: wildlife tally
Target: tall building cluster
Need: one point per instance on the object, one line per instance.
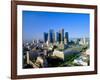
(59, 37)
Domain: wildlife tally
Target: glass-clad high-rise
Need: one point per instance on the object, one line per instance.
(45, 37)
(51, 36)
(66, 37)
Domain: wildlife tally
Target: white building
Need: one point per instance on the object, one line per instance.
(58, 54)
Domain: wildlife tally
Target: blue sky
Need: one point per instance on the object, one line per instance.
(35, 23)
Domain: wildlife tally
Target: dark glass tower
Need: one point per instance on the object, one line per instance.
(58, 37)
(51, 36)
(66, 37)
(45, 37)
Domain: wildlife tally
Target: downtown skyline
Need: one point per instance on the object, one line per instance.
(35, 23)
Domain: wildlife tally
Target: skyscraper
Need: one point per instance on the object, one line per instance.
(45, 37)
(51, 36)
(62, 35)
(66, 38)
(58, 37)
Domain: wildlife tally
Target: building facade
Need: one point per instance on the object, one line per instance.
(45, 37)
(66, 38)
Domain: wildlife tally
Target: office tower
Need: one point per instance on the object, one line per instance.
(62, 35)
(66, 38)
(58, 37)
(51, 36)
(45, 37)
